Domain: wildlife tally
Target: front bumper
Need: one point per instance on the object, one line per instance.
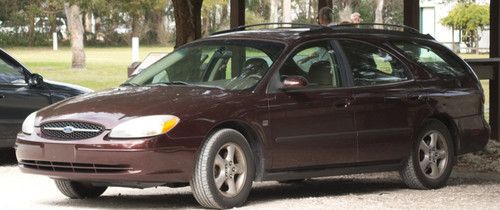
(152, 160)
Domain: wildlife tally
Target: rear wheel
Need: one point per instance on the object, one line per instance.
(79, 190)
(224, 171)
(431, 161)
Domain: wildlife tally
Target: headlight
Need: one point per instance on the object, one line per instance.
(29, 124)
(145, 126)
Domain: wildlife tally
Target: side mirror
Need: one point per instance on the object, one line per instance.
(35, 80)
(132, 67)
(294, 82)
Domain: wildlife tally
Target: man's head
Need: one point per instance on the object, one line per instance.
(325, 16)
(356, 18)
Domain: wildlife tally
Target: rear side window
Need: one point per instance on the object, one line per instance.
(371, 65)
(438, 62)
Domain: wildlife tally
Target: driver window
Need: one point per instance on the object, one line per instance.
(315, 62)
(10, 74)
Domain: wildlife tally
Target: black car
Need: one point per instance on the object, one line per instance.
(23, 92)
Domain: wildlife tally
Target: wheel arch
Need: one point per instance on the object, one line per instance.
(452, 128)
(253, 138)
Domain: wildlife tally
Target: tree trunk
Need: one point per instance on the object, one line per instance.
(136, 27)
(379, 12)
(159, 27)
(52, 22)
(75, 28)
(274, 11)
(213, 23)
(224, 14)
(476, 42)
(287, 11)
(187, 21)
(88, 23)
(31, 30)
(309, 9)
(205, 23)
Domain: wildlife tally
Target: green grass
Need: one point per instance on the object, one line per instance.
(106, 67)
(468, 56)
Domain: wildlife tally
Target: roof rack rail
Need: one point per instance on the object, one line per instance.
(382, 26)
(290, 25)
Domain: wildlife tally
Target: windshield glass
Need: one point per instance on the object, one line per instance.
(229, 65)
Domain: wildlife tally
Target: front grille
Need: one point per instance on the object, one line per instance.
(70, 130)
(73, 167)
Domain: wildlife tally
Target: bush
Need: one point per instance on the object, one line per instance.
(9, 39)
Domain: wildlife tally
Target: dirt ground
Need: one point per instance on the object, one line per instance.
(466, 190)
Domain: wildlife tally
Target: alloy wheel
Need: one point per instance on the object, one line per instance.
(230, 170)
(433, 154)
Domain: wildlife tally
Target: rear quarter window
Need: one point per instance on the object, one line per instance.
(439, 62)
(371, 65)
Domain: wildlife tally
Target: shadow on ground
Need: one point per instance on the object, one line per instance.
(272, 191)
(260, 194)
(7, 157)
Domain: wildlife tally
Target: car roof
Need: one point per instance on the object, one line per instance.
(294, 33)
(281, 35)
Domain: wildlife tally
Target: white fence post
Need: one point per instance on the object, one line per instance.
(135, 49)
(54, 41)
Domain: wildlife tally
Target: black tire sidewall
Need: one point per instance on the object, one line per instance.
(79, 190)
(441, 181)
(222, 137)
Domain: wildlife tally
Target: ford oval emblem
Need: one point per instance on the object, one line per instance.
(68, 129)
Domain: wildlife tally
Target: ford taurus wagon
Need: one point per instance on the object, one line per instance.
(257, 104)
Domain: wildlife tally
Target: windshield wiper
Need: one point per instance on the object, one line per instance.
(186, 83)
(129, 84)
(172, 83)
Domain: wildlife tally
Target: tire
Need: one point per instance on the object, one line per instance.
(428, 167)
(215, 170)
(79, 190)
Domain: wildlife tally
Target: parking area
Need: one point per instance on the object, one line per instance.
(466, 190)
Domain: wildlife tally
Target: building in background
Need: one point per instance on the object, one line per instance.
(432, 11)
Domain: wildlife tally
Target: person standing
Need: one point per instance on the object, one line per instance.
(356, 18)
(325, 16)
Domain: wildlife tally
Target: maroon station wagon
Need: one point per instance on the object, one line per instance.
(257, 104)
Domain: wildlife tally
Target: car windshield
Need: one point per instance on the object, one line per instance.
(229, 65)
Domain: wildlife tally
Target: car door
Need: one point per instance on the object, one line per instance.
(384, 102)
(312, 126)
(17, 98)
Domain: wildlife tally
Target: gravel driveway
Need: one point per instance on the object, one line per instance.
(466, 190)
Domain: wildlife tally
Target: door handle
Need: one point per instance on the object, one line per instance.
(343, 104)
(415, 98)
(393, 99)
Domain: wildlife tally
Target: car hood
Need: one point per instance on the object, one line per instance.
(113, 106)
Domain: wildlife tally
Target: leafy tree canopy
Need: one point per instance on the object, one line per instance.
(468, 17)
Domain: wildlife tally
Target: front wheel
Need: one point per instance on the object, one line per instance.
(79, 190)
(431, 160)
(224, 171)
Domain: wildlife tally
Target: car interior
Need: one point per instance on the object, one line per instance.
(316, 64)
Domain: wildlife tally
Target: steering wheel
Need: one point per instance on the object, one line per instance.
(244, 84)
